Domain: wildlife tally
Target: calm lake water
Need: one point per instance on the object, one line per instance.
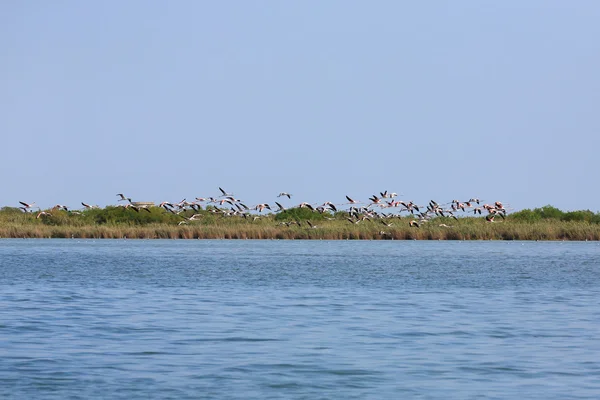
(299, 319)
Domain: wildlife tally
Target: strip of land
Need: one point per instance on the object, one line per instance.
(155, 223)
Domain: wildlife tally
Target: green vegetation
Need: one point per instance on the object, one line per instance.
(545, 223)
(549, 213)
(300, 214)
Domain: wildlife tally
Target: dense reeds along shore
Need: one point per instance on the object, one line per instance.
(546, 223)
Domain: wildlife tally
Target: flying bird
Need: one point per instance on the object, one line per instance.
(351, 200)
(261, 207)
(374, 199)
(311, 225)
(28, 205)
(307, 205)
(123, 198)
(224, 192)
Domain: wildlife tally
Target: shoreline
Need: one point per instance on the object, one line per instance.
(555, 231)
(547, 224)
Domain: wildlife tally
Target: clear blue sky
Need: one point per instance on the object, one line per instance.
(170, 100)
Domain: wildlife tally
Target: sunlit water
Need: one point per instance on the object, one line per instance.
(299, 319)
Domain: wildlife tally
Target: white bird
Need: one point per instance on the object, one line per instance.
(374, 199)
(166, 204)
(306, 205)
(123, 198)
(289, 196)
(330, 205)
(351, 200)
(28, 205)
(281, 208)
(261, 207)
(225, 193)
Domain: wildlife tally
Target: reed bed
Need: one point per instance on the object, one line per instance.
(267, 228)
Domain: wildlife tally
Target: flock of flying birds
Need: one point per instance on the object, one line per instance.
(383, 207)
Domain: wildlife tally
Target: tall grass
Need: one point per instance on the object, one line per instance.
(16, 224)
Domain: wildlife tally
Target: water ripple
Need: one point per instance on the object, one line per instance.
(277, 319)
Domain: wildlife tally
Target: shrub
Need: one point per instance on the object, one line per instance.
(121, 215)
(549, 212)
(300, 214)
(525, 215)
(581, 215)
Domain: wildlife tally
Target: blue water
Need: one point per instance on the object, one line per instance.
(299, 319)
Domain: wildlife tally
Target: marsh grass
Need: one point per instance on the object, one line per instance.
(117, 225)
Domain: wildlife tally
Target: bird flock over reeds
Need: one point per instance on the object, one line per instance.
(383, 206)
